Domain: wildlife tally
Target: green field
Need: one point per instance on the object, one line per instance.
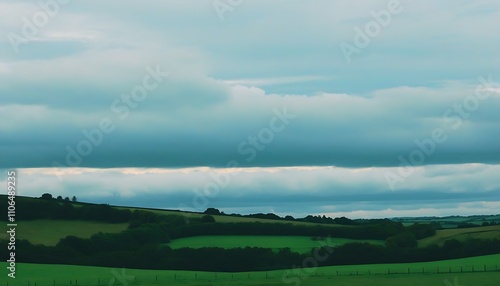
(300, 244)
(49, 232)
(357, 275)
(226, 218)
(451, 221)
(462, 234)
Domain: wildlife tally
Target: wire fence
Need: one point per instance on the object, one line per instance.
(172, 277)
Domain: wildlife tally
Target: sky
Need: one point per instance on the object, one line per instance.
(343, 108)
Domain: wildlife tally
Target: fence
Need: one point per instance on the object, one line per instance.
(172, 277)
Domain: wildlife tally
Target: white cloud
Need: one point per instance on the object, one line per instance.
(325, 190)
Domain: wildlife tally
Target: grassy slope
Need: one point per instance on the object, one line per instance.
(462, 234)
(62, 274)
(49, 232)
(225, 218)
(301, 244)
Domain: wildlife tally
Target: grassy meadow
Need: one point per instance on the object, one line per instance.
(300, 244)
(373, 275)
(49, 232)
(461, 234)
(226, 218)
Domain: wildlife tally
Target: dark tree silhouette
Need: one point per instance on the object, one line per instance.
(207, 219)
(47, 196)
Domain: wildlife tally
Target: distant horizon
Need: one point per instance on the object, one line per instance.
(282, 215)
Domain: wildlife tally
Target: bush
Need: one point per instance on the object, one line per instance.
(207, 219)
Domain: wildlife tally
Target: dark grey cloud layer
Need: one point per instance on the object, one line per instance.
(389, 128)
(228, 73)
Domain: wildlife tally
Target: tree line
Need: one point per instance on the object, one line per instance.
(132, 250)
(143, 243)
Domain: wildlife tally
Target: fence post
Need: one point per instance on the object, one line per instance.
(156, 277)
(472, 268)
(408, 270)
(449, 269)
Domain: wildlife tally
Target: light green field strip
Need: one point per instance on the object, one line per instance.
(462, 234)
(45, 275)
(300, 244)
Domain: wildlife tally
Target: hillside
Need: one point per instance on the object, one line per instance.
(461, 234)
(49, 232)
(347, 275)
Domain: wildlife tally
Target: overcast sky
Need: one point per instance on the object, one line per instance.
(356, 108)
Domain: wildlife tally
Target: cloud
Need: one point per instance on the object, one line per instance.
(228, 81)
(188, 123)
(346, 191)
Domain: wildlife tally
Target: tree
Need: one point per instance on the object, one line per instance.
(207, 219)
(46, 196)
(73, 199)
(422, 230)
(402, 240)
(344, 221)
(212, 211)
(66, 199)
(59, 198)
